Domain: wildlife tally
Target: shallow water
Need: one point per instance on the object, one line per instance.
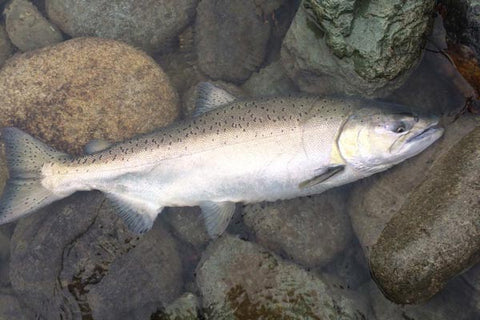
(305, 258)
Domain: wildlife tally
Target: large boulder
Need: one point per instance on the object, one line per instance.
(356, 47)
(6, 47)
(435, 235)
(148, 24)
(85, 88)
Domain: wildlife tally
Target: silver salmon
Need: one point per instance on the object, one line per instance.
(231, 151)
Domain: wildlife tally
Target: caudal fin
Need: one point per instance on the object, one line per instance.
(23, 192)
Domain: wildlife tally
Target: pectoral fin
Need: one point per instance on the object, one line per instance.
(137, 213)
(217, 215)
(324, 175)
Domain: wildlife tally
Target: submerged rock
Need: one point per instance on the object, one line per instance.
(184, 308)
(269, 81)
(147, 24)
(6, 48)
(188, 225)
(241, 280)
(10, 308)
(356, 47)
(27, 28)
(435, 234)
(231, 38)
(311, 230)
(86, 88)
(376, 199)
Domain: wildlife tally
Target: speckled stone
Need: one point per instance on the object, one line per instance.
(10, 308)
(436, 234)
(241, 280)
(85, 88)
(27, 28)
(147, 24)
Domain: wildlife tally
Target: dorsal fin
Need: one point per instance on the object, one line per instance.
(210, 97)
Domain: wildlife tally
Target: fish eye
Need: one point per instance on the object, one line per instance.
(399, 127)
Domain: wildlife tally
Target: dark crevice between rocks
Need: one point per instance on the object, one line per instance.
(77, 286)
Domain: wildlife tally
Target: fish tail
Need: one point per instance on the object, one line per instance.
(24, 192)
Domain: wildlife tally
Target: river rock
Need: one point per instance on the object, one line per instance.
(10, 308)
(226, 46)
(37, 250)
(241, 280)
(454, 302)
(376, 199)
(141, 281)
(435, 234)
(146, 24)
(355, 47)
(6, 47)
(85, 88)
(184, 308)
(269, 81)
(309, 230)
(188, 225)
(27, 28)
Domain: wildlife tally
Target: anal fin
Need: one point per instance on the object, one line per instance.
(217, 215)
(138, 214)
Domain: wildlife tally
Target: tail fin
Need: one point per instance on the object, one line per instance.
(24, 192)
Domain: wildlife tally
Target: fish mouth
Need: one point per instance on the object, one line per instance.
(434, 127)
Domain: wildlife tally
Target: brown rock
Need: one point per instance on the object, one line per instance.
(85, 88)
(436, 233)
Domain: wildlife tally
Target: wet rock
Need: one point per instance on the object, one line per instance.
(4, 258)
(309, 230)
(375, 200)
(27, 28)
(150, 277)
(435, 234)
(184, 308)
(471, 278)
(85, 88)
(269, 81)
(10, 308)
(188, 225)
(226, 46)
(356, 47)
(37, 251)
(6, 48)
(145, 24)
(452, 303)
(241, 280)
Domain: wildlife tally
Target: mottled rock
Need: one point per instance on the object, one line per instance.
(37, 250)
(27, 28)
(10, 308)
(241, 280)
(4, 258)
(6, 48)
(376, 199)
(85, 88)
(451, 303)
(356, 47)
(184, 308)
(226, 46)
(144, 23)
(188, 225)
(309, 230)
(435, 235)
(140, 281)
(269, 81)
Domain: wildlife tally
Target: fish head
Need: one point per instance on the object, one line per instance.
(375, 139)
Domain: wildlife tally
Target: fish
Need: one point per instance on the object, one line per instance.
(230, 151)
